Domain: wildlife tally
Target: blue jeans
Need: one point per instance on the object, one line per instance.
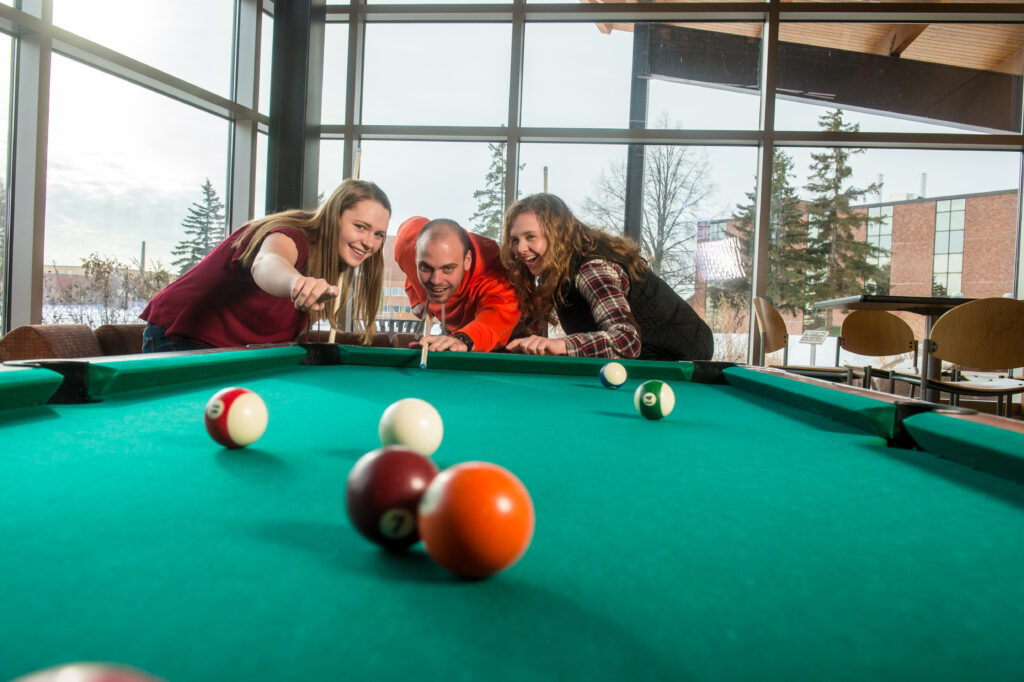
(155, 340)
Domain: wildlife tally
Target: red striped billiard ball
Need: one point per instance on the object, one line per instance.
(235, 417)
(383, 492)
(476, 519)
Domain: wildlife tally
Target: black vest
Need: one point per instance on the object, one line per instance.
(669, 328)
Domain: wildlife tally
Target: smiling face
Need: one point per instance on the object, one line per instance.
(441, 263)
(361, 231)
(528, 242)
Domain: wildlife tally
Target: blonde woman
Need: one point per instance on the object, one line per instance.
(267, 282)
(597, 286)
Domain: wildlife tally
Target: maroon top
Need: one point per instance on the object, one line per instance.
(217, 302)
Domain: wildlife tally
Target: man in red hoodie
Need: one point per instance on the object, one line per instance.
(449, 269)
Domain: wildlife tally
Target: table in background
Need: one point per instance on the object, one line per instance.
(931, 307)
(766, 529)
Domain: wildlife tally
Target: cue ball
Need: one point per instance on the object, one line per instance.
(383, 492)
(413, 423)
(476, 519)
(236, 417)
(613, 375)
(89, 672)
(654, 399)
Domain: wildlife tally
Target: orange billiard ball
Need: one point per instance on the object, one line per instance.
(476, 519)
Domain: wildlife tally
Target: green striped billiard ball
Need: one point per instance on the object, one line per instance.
(654, 399)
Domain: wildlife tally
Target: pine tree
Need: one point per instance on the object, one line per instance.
(788, 259)
(204, 229)
(490, 201)
(845, 266)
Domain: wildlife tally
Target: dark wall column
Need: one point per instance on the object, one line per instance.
(296, 82)
(634, 218)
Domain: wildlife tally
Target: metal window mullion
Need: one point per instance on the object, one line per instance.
(354, 89)
(515, 102)
(766, 152)
(241, 191)
(27, 197)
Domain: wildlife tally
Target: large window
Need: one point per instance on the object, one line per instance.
(134, 194)
(458, 110)
(948, 265)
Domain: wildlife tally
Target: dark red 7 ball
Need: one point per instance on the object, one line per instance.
(383, 492)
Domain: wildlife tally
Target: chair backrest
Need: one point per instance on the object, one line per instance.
(987, 334)
(770, 322)
(876, 332)
(41, 341)
(120, 339)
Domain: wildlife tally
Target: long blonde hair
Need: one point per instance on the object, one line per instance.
(322, 229)
(569, 243)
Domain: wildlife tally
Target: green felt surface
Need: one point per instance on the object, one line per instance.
(997, 451)
(25, 387)
(737, 539)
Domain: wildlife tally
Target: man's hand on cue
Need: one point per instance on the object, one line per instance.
(438, 343)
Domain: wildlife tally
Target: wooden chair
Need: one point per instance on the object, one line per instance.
(775, 336)
(42, 341)
(987, 335)
(878, 333)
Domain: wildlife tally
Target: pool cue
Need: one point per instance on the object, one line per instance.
(334, 314)
(423, 349)
(443, 327)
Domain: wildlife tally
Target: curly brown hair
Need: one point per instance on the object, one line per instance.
(321, 227)
(569, 244)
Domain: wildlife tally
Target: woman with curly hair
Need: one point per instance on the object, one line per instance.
(270, 280)
(597, 286)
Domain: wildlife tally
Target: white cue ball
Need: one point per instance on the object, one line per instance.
(413, 423)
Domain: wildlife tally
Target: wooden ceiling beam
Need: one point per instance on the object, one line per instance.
(898, 39)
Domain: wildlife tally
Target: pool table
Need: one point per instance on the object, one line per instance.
(768, 528)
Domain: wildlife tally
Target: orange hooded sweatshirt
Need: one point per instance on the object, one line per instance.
(484, 307)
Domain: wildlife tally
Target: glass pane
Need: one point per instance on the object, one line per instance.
(703, 75)
(941, 263)
(957, 204)
(422, 74)
(942, 206)
(111, 210)
(956, 242)
(986, 181)
(900, 78)
(939, 287)
(590, 87)
(400, 169)
(331, 166)
(335, 74)
(190, 39)
(942, 218)
(5, 108)
(260, 191)
(956, 219)
(956, 262)
(885, 242)
(266, 58)
(953, 285)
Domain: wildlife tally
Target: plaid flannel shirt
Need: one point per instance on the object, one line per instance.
(604, 286)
